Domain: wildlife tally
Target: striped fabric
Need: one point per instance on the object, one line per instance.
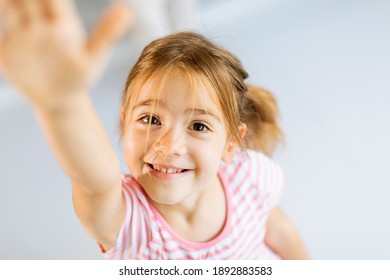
(253, 185)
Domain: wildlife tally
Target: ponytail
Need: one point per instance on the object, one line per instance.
(260, 113)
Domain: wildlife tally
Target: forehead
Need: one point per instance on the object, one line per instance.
(179, 88)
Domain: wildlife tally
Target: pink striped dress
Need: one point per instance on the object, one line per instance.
(252, 185)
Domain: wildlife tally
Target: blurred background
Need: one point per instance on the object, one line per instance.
(328, 64)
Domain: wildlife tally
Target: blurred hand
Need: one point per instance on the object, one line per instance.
(45, 52)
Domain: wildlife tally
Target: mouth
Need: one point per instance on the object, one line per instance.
(167, 170)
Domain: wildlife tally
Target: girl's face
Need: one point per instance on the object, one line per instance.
(175, 140)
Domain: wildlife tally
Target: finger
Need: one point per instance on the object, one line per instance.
(1, 48)
(1, 31)
(57, 8)
(10, 15)
(113, 25)
(32, 9)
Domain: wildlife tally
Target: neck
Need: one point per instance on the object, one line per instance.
(191, 218)
(193, 205)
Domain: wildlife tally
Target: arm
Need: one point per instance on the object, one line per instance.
(79, 142)
(283, 238)
(45, 53)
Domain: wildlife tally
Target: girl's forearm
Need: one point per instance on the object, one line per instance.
(80, 143)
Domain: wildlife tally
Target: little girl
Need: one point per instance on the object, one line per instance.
(195, 139)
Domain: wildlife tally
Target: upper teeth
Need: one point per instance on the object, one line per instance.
(166, 170)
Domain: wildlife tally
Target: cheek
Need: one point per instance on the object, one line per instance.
(209, 154)
(128, 154)
(133, 148)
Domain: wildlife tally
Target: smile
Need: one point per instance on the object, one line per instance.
(166, 169)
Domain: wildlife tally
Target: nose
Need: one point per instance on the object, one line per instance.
(171, 143)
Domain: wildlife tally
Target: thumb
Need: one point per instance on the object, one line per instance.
(112, 26)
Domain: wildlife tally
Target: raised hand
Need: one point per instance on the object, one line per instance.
(45, 52)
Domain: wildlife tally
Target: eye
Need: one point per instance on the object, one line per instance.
(199, 127)
(148, 119)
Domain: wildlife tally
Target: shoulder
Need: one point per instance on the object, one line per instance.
(133, 191)
(264, 170)
(129, 182)
(136, 225)
(264, 164)
(256, 163)
(136, 200)
(256, 169)
(254, 166)
(268, 177)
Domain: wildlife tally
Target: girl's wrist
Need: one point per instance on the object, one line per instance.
(61, 105)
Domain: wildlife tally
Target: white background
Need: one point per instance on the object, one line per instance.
(328, 64)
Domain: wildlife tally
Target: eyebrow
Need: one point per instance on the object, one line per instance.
(203, 112)
(151, 102)
(148, 102)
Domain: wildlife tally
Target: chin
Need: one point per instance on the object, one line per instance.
(163, 192)
(164, 199)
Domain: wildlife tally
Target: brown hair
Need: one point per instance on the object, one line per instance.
(194, 54)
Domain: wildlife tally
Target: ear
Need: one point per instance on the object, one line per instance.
(231, 146)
